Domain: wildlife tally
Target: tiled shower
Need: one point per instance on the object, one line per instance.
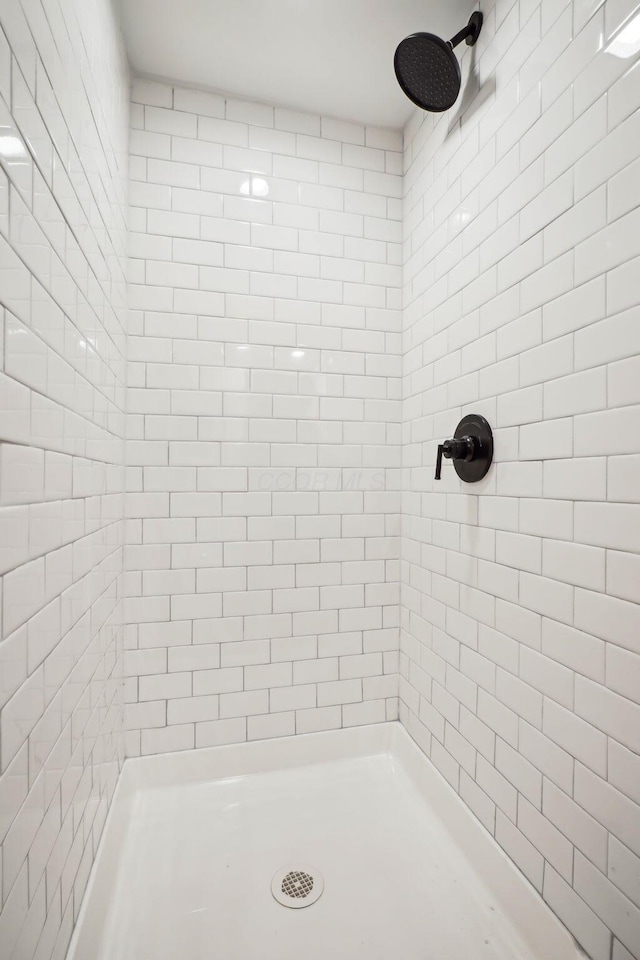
(232, 336)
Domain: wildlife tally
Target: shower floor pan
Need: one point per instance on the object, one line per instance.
(194, 840)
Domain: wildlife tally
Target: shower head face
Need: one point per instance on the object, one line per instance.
(428, 71)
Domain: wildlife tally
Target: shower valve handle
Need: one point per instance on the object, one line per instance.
(463, 448)
(470, 449)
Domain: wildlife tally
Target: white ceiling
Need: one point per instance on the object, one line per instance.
(333, 57)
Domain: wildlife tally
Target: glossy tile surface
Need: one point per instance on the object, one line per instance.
(519, 593)
(64, 92)
(264, 402)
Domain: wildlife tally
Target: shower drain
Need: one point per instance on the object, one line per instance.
(297, 887)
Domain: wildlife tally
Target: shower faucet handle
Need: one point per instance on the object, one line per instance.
(462, 448)
(470, 448)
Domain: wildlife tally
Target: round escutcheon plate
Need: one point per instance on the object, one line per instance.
(477, 427)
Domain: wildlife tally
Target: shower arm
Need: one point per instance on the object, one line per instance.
(470, 33)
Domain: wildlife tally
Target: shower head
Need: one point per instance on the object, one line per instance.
(427, 68)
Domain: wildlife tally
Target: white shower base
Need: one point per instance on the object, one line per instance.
(193, 840)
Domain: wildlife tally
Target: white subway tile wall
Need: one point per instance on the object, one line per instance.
(64, 104)
(264, 422)
(291, 369)
(520, 624)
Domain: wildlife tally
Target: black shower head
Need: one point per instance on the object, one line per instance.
(428, 70)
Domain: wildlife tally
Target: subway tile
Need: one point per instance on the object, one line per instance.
(623, 96)
(608, 248)
(574, 735)
(606, 710)
(623, 478)
(619, 952)
(607, 524)
(174, 122)
(545, 441)
(585, 925)
(622, 574)
(579, 651)
(607, 157)
(623, 869)
(607, 340)
(607, 901)
(603, 433)
(556, 849)
(574, 563)
(198, 101)
(525, 855)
